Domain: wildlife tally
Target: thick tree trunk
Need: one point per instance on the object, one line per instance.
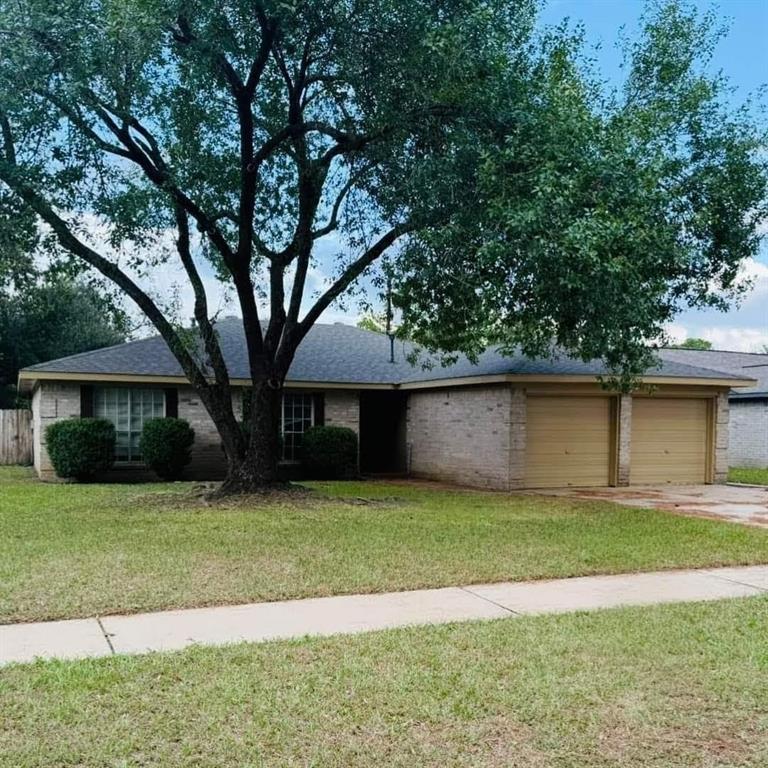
(254, 468)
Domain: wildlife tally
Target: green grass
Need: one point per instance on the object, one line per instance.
(746, 475)
(80, 550)
(661, 687)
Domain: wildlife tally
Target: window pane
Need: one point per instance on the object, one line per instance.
(297, 419)
(128, 409)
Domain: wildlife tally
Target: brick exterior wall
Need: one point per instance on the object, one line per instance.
(342, 408)
(469, 435)
(722, 427)
(748, 433)
(54, 401)
(461, 435)
(623, 459)
(208, 459)
(517, 437)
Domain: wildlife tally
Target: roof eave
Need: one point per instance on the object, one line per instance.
(27, 380)
(574, 379)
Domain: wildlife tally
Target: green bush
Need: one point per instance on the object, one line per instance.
(165, 445)
(330, 452)
(81, 448)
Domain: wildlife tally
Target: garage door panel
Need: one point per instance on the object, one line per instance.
(568, 441)
(669, 440)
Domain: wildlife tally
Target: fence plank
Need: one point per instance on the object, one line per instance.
(15, 436)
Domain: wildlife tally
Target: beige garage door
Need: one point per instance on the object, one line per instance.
(669, 440)
(568, 441)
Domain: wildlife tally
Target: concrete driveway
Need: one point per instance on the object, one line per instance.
(746, 504)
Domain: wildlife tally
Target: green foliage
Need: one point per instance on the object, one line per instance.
(600, 214)
(81, 448)
(531, 205)
(330, 453)
(55, 318)
(373, 322)
(165, 445)
(693, 343)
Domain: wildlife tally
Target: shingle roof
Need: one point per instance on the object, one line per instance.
(749, 365)
(339, 353)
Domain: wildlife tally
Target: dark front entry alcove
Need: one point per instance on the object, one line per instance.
(382, 432)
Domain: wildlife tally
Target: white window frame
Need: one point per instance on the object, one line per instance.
(283, 453)
(131, 394)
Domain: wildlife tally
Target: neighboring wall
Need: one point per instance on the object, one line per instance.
(749, 433)
(462, 435)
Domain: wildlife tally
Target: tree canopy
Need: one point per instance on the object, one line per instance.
(518, 199)
(55, 318)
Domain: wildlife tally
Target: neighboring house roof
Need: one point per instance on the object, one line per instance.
(340, 354)
(751, 365)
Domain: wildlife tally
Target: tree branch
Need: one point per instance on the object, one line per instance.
(333, 221)
(347, 277)
(155, 169)
(9, 148)
(207, 332)
(111, 271)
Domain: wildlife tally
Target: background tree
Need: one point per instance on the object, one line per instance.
(693, 343)
(519, 200)
(373, 321)
(49, 320)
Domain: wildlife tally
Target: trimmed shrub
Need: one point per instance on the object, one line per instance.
(330, 452)
(165, 445)
(81, 448)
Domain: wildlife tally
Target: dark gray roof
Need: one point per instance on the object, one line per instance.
(749, 365)
(338, 353)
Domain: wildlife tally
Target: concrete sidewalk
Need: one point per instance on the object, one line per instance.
(173, 630)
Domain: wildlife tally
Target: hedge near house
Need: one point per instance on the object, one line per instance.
(81, 448)
(166, 446)
(330, 453)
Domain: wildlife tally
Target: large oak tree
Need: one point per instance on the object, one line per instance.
(516, 199)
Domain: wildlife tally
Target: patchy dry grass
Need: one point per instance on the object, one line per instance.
(79, 550)
(663, 687)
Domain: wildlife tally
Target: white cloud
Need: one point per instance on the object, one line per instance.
(677, 333)
(743, 328)
(738, 339)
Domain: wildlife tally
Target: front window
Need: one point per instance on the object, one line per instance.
(128, 409)
(298, 417)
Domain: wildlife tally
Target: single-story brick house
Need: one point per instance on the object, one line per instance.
(505, 422)
(748, 439)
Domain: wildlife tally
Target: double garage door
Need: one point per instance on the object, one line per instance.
(571, 441)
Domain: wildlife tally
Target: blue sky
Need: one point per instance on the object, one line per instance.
(742, 55)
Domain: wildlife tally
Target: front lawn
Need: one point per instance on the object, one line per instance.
(662, 687)
(746, 475)
(80, 550)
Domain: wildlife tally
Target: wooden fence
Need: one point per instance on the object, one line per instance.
(16, 437)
